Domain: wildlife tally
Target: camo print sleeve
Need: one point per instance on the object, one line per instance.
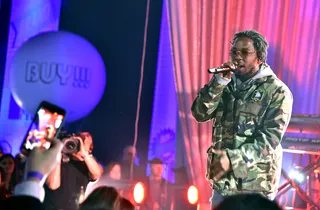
(207, 101)
(264, 147)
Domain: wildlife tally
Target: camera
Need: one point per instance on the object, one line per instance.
(71, 142)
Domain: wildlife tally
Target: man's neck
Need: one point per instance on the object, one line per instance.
(249, 75)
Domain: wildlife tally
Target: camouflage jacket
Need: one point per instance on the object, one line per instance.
(249, 121)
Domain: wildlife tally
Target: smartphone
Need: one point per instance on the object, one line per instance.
(46, 124)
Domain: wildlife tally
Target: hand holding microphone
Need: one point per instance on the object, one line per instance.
(225, 70)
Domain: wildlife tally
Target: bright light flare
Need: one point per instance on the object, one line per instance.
(193, 195)
(138, 193)
(296, 175)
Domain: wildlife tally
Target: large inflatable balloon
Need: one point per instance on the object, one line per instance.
(61, 68)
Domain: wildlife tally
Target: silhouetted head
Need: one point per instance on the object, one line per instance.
(247, 202)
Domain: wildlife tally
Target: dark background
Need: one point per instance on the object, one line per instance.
(5, 11)
(116, 29)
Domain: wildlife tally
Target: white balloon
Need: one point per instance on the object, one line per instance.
(61, 68)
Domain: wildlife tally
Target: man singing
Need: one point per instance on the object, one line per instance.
(251, 109)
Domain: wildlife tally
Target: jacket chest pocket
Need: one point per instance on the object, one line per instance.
(249, 118)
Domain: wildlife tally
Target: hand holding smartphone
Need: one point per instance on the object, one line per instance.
(45, 125)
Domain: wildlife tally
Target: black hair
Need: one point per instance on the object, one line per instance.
(259, 42)
(102, 197)
(247, 202)
(125, 204)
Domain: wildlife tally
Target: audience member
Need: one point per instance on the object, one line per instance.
(67, 183)
(112, 174)
(138, 172)
(125, 204)
(247, 202)
(158, 190)
(8, 176)
(1, 151)
(103, 198)
(29, 194)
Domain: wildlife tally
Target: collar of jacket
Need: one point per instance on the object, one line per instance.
(262, 75)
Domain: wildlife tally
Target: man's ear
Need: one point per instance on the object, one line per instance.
(259, 61)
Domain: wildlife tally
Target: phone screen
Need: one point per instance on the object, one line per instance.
(45, 125)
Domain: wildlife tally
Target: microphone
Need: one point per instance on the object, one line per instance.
(223, 69)
(219, 70)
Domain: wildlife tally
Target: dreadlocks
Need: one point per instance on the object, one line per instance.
(259, 42)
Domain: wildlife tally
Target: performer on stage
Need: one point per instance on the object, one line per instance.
(250, 109)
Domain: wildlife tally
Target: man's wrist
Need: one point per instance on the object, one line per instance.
(32, 179)
(86, 155)
(34, 175)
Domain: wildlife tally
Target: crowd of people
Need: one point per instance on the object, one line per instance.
(29, 193)
(79, 181)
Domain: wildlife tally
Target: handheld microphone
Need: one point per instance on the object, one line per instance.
(223, 69)
(219, 70)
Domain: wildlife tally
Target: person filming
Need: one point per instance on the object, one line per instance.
(66, 184)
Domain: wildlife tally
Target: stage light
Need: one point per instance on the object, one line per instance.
(193, 195)
(293, 174)
(138, 193)
(296, 175)
(300, 178)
